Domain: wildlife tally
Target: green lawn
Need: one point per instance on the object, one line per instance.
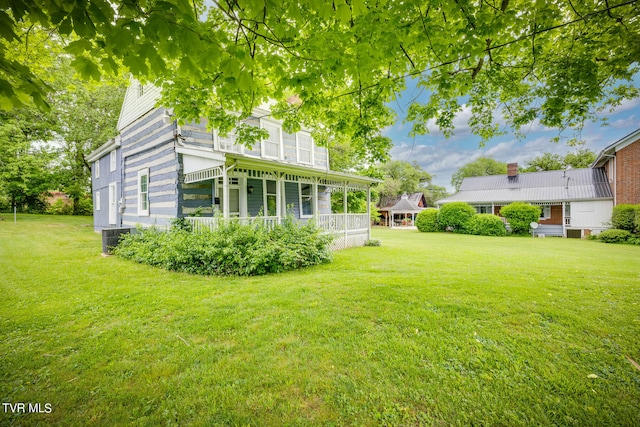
(429, 329)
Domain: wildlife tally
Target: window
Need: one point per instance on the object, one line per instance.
(228, 142)
(305, 148)
(97, 202)
(483, 209)
(96, 168)
(143, 192)
(306, 200)
(112, 161)
(271, 198)
(271, 145)
(546, 212)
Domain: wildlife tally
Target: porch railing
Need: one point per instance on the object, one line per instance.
(209, 223)
(331, 223)
(342, 222)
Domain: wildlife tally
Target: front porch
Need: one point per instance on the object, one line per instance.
(254, 192)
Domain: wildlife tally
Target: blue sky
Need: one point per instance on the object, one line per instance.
(442, 156)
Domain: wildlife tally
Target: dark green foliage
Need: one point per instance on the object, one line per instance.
(455, 215)
(614, 235)
(427, 221)
(625, 217)
(231, 249)
(181, 224)
(520, 215)
(486, 225)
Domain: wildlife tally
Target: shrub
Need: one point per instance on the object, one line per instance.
(614, 235)
(60, 207)
(455, 215)
(427, 221)
(520, 215)
(373, 242)
(486, 225)
(624, 217)
(230, 249)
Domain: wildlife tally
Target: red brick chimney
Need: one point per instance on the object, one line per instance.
(512, 169)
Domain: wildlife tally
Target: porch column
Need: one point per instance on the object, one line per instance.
(225, 193)
(564, 221)
(368, 212)
(344, 211)
(314, 191)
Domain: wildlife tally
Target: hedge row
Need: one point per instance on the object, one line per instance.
(462, 218)
(232, 249)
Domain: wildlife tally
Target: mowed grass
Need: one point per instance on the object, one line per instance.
(429, 329)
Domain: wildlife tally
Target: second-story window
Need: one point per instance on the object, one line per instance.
(112, 161)
(271, 145)
(305, 148)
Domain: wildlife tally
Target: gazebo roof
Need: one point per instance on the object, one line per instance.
(404, 206)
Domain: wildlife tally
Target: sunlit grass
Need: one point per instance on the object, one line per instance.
(431, 329)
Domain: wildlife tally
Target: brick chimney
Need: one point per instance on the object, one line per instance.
(512, 170)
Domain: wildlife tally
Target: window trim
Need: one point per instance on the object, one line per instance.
(112, 160)
(97, 201)
(265, 141)
(96, 168)
(310, 197)
(310, 149)
(266, 194)
(141, 173)
(542, 212)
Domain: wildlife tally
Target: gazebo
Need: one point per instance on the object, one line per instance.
(402, 214)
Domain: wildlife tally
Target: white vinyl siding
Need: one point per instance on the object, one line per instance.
(143, 192)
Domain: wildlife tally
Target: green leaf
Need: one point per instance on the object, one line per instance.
(86, 68)
(79, 46)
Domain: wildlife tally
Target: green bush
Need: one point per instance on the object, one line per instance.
(520, 215)
(486, 225)
(455, 215)
(427, 221)
(60, 207)
(624, 217)
(614, 235)
(231, 249)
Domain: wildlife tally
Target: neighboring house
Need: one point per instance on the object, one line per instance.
(165, 171)
(402, 211)
(575, 202)
(621, 162)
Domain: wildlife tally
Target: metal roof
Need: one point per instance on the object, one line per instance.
(548, 186)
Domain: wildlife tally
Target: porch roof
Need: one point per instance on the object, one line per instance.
(329, 175)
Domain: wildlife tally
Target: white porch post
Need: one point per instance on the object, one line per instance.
(368, 212)
(344, 211)
(315, 199)
(225, 193)
(564, 221)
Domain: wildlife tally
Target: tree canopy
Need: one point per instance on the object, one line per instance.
(482, 166)
(338, 63)
(581, 158)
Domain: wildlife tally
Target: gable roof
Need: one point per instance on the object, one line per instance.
(547, 186)
(387, 203)
(610, 150)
